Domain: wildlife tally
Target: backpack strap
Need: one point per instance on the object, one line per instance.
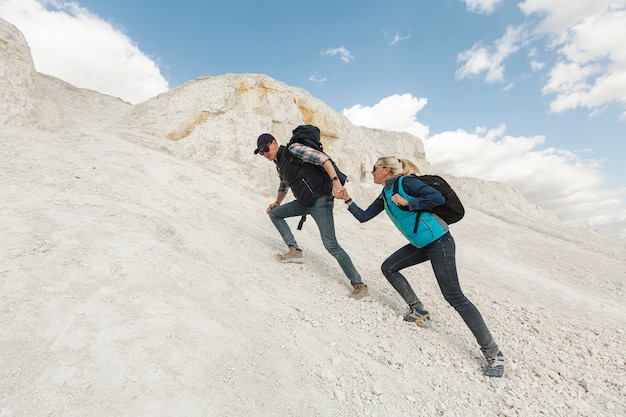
(395, 190)
(301, 222)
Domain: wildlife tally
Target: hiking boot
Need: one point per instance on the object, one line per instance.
(360, 291)
(495, 366)
(294, 255)
(419, 317)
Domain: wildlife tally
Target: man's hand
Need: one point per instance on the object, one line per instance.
(272, 207)
(338, 190)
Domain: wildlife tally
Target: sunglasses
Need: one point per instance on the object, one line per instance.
(377, 168)
(264, 150)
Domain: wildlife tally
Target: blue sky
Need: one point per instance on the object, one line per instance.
(531, 93)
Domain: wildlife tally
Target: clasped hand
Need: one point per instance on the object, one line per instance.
(398, 200)
(338, 190)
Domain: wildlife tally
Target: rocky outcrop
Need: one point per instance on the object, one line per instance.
(33, 100)
(17, 76)
(222, 116)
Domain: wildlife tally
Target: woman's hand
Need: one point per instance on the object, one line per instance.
(399, 201)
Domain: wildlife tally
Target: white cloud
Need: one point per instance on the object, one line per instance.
(343, 53)
(318, 79)
(557, 16)
(396, 38)
(535, 64)
(396, 113)
(70, 43)
(556, 179)
(610, 223)
(588, 36)
(571, 84)
(482, 6)
(508, 87)
(481, 58)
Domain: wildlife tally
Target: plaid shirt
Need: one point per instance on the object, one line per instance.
(307, 154)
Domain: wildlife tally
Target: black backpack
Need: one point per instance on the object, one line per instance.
(309, 135)
(452, 210)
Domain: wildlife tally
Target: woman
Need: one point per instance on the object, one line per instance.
(429, 239)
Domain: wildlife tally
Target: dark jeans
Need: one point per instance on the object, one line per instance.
(322, 213)
(441, 254)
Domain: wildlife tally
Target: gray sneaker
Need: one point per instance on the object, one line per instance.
(360, 291)
(294, 255)
(495, 366)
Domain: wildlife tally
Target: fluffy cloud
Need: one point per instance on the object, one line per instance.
(318, 79)
(396, 113)
(88, 52)
(490, 59)
(482, 6)
(557, 16)
(588, 35)
(592, 47)
(556, 179)
(343, 53)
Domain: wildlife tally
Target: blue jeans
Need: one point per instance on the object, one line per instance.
(322, 213)
(441, 254)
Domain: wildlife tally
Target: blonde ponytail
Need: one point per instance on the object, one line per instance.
(398, 166)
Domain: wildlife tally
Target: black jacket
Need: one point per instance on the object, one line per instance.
(306, 181)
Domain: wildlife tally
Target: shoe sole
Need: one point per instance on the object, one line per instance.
(498, 375)
(421, 322)
(289, 261)
(358, 297)
(424, 323)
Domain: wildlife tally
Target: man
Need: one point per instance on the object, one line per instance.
(307, 185)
